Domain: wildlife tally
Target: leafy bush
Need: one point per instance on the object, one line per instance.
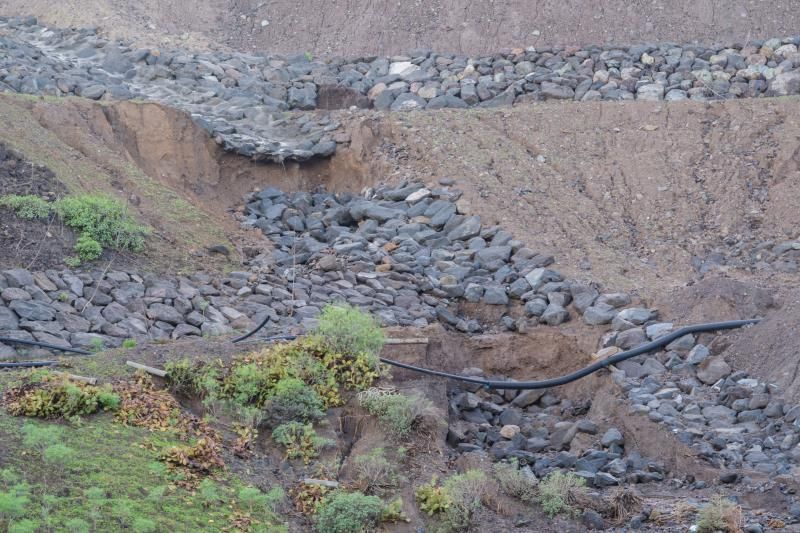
(54, 397)
(293, 400)
(720, 514)
(28, 206)
(466, 492)
(300, 440)
(77, 525)
(431, 498)
(87, 248)
(393, 512)
(13, 502)
(23, 526)
(514, 482)
(347, 330)
(348, 512)
(57, 455)
(556, 492)
(374, 472)
(398, 413)
(102, 222)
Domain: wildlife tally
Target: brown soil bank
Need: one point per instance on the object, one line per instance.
(639, 196)
(347, 27)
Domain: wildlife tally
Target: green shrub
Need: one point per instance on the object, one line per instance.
(27, 206)
(514, 482)
(348, 512)
(87, 248)
(349, 331)
(374, 472)
(556, 492)
(300, 440)
(13, 503)
(720, 514)
(103, 220)
(432, 499)
(144, 525)
(393, 512)
(399, 414)
(77, 525)
(54, 397)
(293, 400)
(23, 526)
(466, 492)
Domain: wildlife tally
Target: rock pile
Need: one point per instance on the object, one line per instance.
(242, 99)
(538, 429)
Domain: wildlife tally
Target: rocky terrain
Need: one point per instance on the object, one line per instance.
(242, 99)
(520, 236)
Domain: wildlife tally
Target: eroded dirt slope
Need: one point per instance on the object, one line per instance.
(346, 27)
(640, 196)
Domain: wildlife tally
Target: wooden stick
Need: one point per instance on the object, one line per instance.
(417, 340)
(90, 381)
(322, 482)
(149, 369)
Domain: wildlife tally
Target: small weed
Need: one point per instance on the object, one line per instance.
(129, 344)
(398, 413)
(374, 472)
(393, 512)
(87, 248)
(556, 492)
(720, 514)
(348, 512)
(514, 482)
(307, 497)
(347, 330)
(300, 440)
(28, 206)
(432, 499)
(466, 492)
(96, 345)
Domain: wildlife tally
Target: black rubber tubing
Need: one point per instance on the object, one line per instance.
(568, 378)
(44, 345)
(29, 364)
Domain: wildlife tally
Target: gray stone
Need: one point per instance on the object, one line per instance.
(600, 313)
(18, 277)
(494, 295)
(553, 91)
(528, 397)
(408, 102)
(166, 313)
(637, 315)
(630, 338)
(539, 276)
(554, 315)
(8, 320)
(712, 370)
(13, 293)
(697, 355)
(611, 437)
(468, 228)
(35, 311)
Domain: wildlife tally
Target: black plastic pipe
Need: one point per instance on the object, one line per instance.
(562, 380)
(78, 351)
(28, 364)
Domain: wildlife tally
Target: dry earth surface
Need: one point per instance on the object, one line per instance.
(348, 27)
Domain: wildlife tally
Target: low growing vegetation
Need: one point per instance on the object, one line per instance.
(515, 482)
(48, 396)
(720, 514)
(348, 512)
(101, 222)
(455, 502)
(399, 414)
(557, 491)
(300, 440)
